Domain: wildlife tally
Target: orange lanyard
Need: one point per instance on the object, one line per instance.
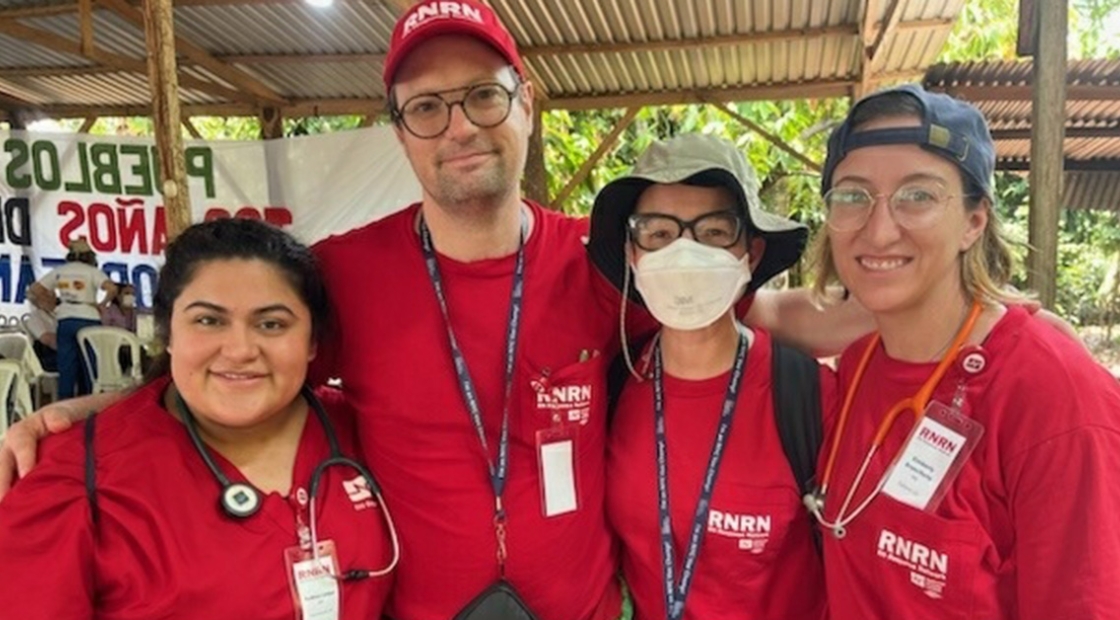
(916, 403)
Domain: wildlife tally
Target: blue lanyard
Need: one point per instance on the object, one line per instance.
(498, 472)
(675, 594)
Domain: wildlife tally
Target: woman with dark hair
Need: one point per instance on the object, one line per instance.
(70, 291)
(968, 473)
(222, 488)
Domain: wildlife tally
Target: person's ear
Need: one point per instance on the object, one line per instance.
(975, 223)
(756, 247)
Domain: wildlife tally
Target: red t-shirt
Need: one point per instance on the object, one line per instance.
(395, 363)
(1028, 530)
(757, 558)
(163, 547)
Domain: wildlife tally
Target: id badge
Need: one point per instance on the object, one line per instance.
(932, 457)
(556, 457)
(313, 585)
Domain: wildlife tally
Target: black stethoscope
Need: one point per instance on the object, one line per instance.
(241, 500)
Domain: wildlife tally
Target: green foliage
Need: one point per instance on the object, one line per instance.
(985, 30)
(1088, 253)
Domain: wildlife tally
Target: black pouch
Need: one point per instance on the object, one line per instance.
(498, 602)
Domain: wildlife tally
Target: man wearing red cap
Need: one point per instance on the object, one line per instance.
(474, 334)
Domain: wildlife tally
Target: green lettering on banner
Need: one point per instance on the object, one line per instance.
(20, 158)
(38, 149)
(142, 169)
(200, 163)
(106, 173)
(83, 169)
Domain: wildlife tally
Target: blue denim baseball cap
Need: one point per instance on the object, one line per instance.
(950, 128)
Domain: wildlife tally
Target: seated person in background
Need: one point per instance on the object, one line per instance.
(73, 288)
(121, 310)
(43, 328)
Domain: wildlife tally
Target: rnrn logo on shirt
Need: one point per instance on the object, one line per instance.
(752, 530)
(441, 10)
(929, 568)
(568, 403)
(357, 489)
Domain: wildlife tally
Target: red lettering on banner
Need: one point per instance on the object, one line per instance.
(76, 220)
(129, 228)
(132, 225)
(102, 228)
(277, 216)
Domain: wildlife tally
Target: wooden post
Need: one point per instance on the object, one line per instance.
(1048, 116)
(535, 183)
(164, 80)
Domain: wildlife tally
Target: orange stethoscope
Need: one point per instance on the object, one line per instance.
(917, 404)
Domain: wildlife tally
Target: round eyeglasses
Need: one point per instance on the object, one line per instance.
(653, 231)
(913, 207)
(428, 115)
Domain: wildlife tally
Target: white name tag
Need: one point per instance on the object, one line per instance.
(928, 459)
(314, 587)
(558, 478)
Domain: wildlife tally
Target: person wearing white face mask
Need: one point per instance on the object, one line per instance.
(700, 492)
(121, 312)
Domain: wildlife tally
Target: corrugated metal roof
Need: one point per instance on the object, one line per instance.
(1001, 90)
(1091, 190)
(582, 53)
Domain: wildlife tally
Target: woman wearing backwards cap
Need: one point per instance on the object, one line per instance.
(969, 471)
(688, 224)
(76, 284)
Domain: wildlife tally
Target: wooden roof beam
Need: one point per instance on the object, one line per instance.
(1022, 92)
(199, 56)
(295, 109)
(749, 38)
(58, 43)
(1068, 165)
(890, 26)
(816, 89)
(48, 72)
(769, 137)
(66, 9)
(1071, 132)
(292, 59)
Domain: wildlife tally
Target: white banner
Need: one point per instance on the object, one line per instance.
(57, 187)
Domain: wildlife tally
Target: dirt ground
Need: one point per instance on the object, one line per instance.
(1105, 349)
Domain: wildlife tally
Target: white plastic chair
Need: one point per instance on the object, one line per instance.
(18, 347)
(15, 398)
(104, 366)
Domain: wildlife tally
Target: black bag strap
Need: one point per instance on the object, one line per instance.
(91, 472)
(797, 414)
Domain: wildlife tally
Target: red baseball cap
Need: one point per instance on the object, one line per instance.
(441, 17)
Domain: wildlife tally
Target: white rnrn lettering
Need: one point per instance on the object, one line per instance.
(744, 524)
(441, 10)
(894, 545)
(357, 489)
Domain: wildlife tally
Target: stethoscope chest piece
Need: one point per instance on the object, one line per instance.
(240, 500)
